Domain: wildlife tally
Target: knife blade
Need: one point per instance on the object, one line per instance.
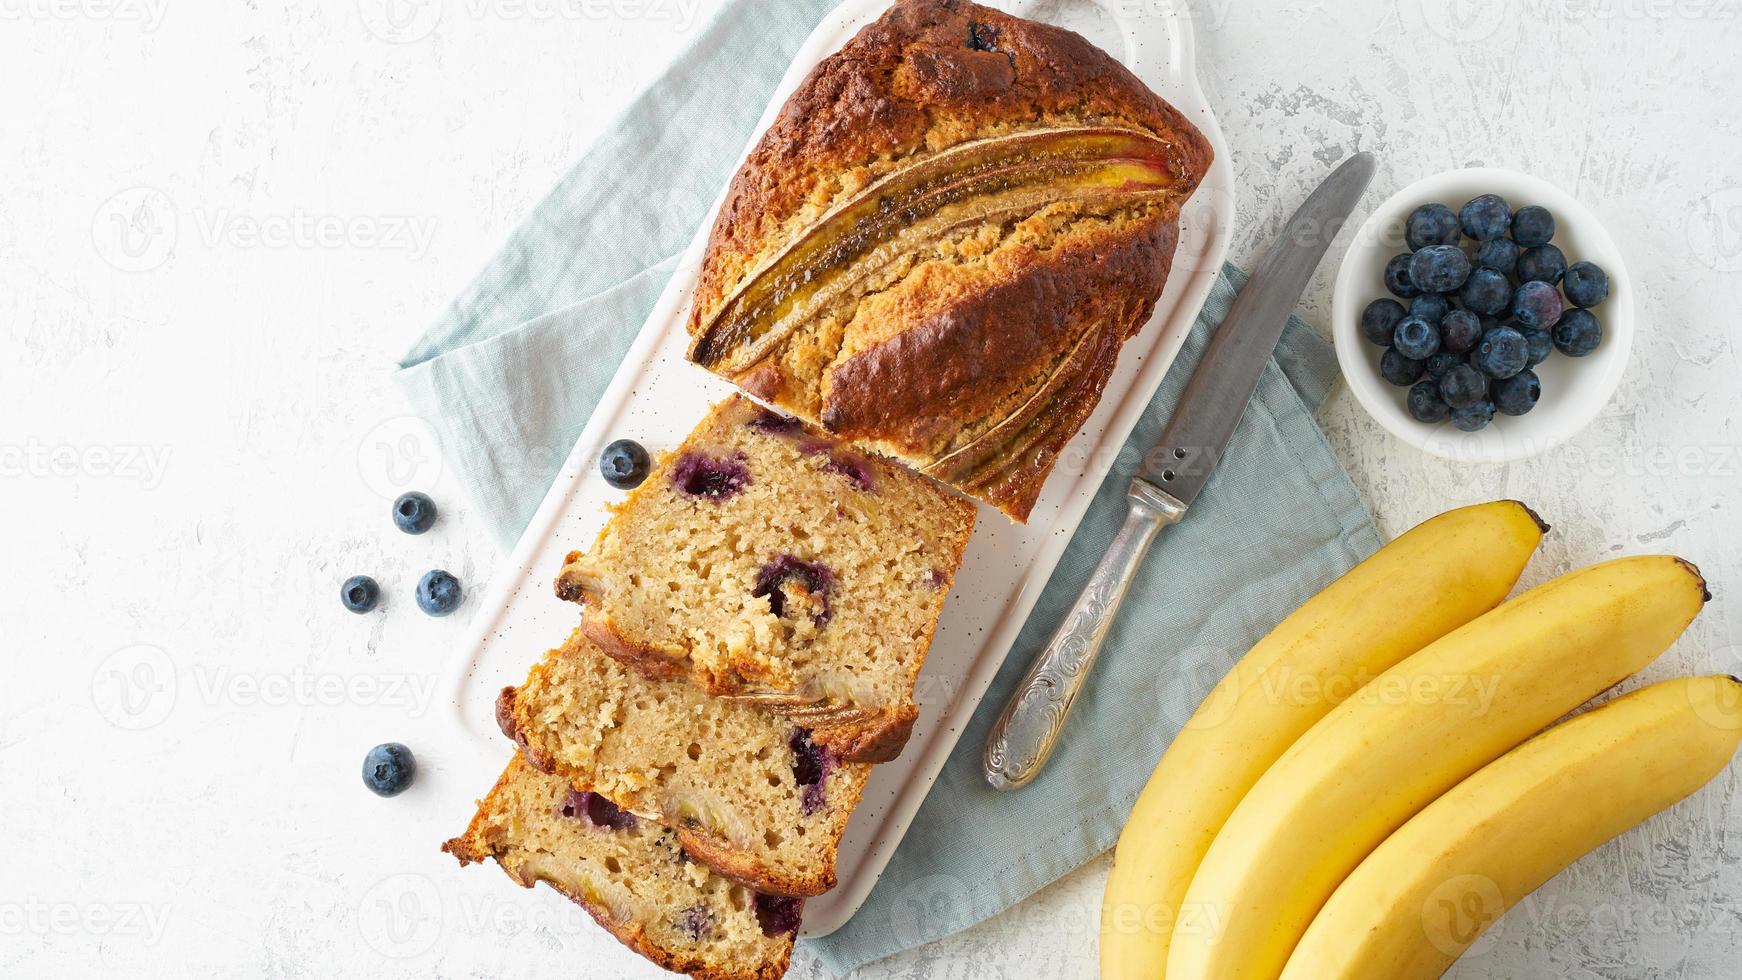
(1173, 473)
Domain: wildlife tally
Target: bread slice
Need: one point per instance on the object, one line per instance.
(938, 248)
(746, 792)
(769, 565)
(631, 876)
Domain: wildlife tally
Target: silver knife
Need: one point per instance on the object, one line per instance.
(1172, 474)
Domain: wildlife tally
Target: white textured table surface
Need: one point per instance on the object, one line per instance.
(199, 435)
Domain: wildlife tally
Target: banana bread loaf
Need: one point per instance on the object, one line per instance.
(746, 792)
(938, 248)
(632, 876)
(769, 565)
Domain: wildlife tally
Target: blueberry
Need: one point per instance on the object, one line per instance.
(1518, 394)
(388, 769)
(1399, 370)
(1379, 320)
(777, 916)
(1544, 263)
(1463, 386)
(414, 512)
(1431, 224)
(624, 464)
(1501, 255)
(1540, 344)
(1459, 331)
(1486, 292)
(1417, 338)
(1536, 304)
(709, 478)
(1486, 218)
(1586, 284)
(1397, 277)
(1425, 403)
(1532, 226)
(359, 593)
(1578, 333)
(1431, 307)
(1440, 363)
(1439, 268)
(1475, 418)
(438, 593)
(1501, 353)
(596, 811)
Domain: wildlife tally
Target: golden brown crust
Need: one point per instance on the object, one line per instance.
(990, 350)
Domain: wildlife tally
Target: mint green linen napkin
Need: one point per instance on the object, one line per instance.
(510, 373)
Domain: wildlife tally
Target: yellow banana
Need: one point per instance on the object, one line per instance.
(1411, 734)
(1428, 582)
(1425, 894)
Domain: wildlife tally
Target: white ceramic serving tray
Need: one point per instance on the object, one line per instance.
(656, 397)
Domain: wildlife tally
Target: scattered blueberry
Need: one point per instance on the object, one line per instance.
(1459, 331)
(388, 769)
(1578, 333)
(1532, 226)
(359, 593)
(1501, 255)
(1399, 370)
(1518, 394)
(1486, 218)
(1501, 353)
(1430, 306)
(438, 593)
(1440, 363)
(1397, 277)
(1379, 320)
(1475, 418)
(1463, 386)
(1586, 284)
(1429, 225)
(624, 464)
(1425, 403)
(1417, 338)
(1487, 292)
(696, 922)
(1544, 263)
(1439, 268)
(1540, 343)
(1537, 304)
(414, 512)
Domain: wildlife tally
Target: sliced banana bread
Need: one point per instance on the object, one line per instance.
(631, 875)
(767, 564)
(939, 246)
(746, 791)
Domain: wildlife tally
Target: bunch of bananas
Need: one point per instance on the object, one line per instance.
(1372, 785)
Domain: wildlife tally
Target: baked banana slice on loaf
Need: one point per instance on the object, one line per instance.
(938, 248)
(746, 792)
(630, 875)
(767, 564)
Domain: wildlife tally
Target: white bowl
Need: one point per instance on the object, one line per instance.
(1574, 389)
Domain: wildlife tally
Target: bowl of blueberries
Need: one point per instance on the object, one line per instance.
(1482, 315)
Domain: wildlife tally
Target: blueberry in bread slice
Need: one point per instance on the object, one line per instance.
(940, 245)
(632, 876)
(746, 792)
(769, 565)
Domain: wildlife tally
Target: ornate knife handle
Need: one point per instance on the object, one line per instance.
(1025, 734)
